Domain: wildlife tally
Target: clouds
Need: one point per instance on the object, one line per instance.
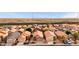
(71, 15)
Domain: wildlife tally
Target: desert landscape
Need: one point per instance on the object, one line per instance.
(38, 20)
(39, 31)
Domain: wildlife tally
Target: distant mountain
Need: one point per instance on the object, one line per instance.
(37, 20)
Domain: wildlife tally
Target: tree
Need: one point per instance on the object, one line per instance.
(68, 32)
(29, 29)
(75, 37)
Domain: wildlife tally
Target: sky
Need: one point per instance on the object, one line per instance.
(39, 15)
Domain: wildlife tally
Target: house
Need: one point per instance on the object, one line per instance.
(11, 38)
(50, 36)
(25, 36)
